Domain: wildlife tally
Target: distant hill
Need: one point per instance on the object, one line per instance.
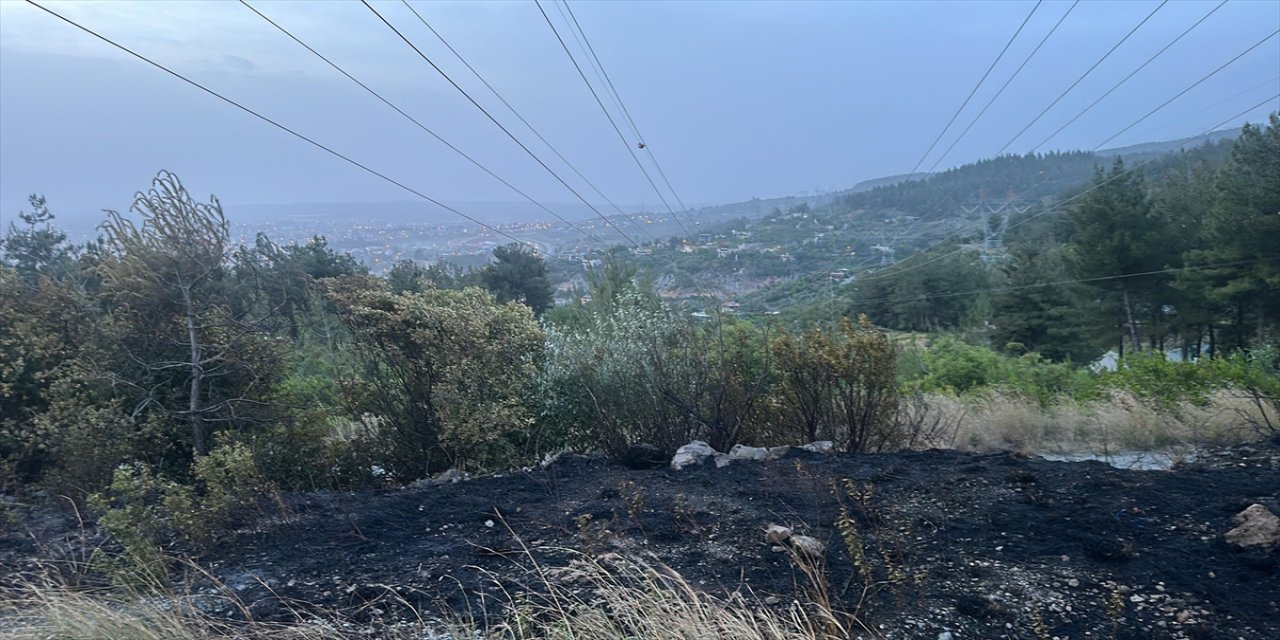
(1170, 145)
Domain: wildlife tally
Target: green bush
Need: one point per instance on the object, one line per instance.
(147, 512)
(951, 366)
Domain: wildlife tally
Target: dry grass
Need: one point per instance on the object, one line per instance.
(591, 599)
(1121, 422)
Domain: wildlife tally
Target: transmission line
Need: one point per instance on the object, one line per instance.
(1082, 77)
(964, 104)
(415, 121)
(1184, 91)
(1005, 85)
(515, 112)
(499, 124)
(609, 116)
(625, 112)
(1131, 74)
(1070, 200)
(1058, 283)
(1225, 100)
(282, 127)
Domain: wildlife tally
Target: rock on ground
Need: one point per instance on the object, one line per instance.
(1257, 528)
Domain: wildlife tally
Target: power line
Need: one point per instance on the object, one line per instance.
(1058, 283)
(1005, 85)
(1082, 77)
(610, 118)
(499, 124)
(415, 121)
(625, 112)
(1131, 74)
(1184, 91)
(1074, 198)
(515, 112)
(973, 91)
(282, 127)
(1225, 100)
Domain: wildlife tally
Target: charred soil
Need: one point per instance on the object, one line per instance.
(916, 544)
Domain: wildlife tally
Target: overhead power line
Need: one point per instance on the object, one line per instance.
(1059, 283)
(648, 148)
(1184, 91)
(981, 80)
(1059, 206)
(512, 109)
(1131, 74)
(495, 121)
(415, 121)
(1004, 86)
(1082, 77)
(1225, 100)
(609, 116)
(282, 127)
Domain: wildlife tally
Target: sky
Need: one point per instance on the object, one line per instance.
(735, 99)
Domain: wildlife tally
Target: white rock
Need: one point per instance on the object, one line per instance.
(1257, 528)
(776, 534)
(808, 546)
(742, 452)
(778, 452)
(821, 446)
(693, 453)
(722, 459)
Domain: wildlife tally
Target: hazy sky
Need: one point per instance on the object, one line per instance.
(735, 99)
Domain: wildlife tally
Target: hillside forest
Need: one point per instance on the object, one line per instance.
(169, 379)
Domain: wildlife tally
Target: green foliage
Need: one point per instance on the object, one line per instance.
(610, 383)
(906, 296)
(953, 366)
(38, 250)
(837, 386)
(1041, 311)
(518, 275)
(449, 373)
(147, 512)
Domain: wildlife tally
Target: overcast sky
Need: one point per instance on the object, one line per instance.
(735, 99)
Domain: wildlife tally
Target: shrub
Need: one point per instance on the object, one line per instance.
(449, 373)
(146, 512)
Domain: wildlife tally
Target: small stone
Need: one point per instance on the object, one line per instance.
(1256, 528)
(946, 635)
(776, 534)
(1073, 583)
(489, 523)
(821, 446)
(772, 600)
(808, 545)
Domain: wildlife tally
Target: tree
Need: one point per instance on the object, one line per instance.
(185, 348)
(1241, 231)
(1116, 234)
(1039, 312)
(39, 248)
(518, 275)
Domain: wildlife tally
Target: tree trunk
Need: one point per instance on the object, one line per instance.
(1128, 313)
(196, 406)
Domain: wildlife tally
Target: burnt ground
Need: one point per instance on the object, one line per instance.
(982, 546)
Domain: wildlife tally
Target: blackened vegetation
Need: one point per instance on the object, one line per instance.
(985, 546)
